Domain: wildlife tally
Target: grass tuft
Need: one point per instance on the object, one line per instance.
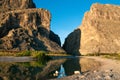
(115, 56)
(106, 55)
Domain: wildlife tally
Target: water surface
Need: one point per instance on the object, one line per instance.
(42, 70)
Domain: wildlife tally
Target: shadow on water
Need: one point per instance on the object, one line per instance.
(72, 65)
(69, 67)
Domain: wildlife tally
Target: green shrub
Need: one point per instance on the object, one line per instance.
(3, 53)
(112, 56)
(38, 63)
(24, 53)
(38, 54)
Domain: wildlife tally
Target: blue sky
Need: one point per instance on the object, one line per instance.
(67, 14)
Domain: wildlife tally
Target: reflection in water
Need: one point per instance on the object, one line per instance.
(72, 65)
(19, 71)
(51, 67)
(39, 71)
(61, 72)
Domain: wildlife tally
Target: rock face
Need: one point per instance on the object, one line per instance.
(54, 37)
(72, 42)
(100, 31)
(26, 29)
(7, 5)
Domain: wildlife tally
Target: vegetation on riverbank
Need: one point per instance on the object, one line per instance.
(115, 56)
(37, 55)
(106, 55)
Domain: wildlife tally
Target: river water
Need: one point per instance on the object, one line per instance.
(37, 70)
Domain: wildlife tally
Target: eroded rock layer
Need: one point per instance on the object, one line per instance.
(7, 5)
(27, 28)
(100, 30)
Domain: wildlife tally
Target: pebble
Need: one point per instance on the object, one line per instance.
(82, 76)
(111, 75)
(98, 77)
(107, 78)
(95, 71)
(76, 72)
(107, 71)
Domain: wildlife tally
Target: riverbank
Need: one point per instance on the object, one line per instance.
(23, 56)
(109, 70)
(15, 59)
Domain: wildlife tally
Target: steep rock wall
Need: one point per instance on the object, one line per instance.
(100, 30)
(72, 42)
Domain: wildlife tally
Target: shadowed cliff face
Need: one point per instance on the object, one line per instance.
(100, 30)
(55, 38)
(72, 42)
(26, 28)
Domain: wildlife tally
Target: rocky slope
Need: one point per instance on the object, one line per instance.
(26, 28)
(100, 31)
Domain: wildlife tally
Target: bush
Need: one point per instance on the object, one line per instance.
(38, 54)
(24, 53)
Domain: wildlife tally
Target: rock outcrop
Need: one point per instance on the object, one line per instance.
(26, 28)
(100, 31)
(7, 5)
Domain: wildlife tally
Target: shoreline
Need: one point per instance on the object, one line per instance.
(15, 59)
(109, 70)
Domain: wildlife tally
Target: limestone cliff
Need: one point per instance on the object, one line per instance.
(27, 28)
(100, 30)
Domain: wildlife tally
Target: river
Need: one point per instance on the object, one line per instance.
(43, 70)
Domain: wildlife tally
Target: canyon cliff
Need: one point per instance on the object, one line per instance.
(23, 27)
(98, 33)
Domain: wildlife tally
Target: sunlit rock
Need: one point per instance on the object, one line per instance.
(100, 32)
